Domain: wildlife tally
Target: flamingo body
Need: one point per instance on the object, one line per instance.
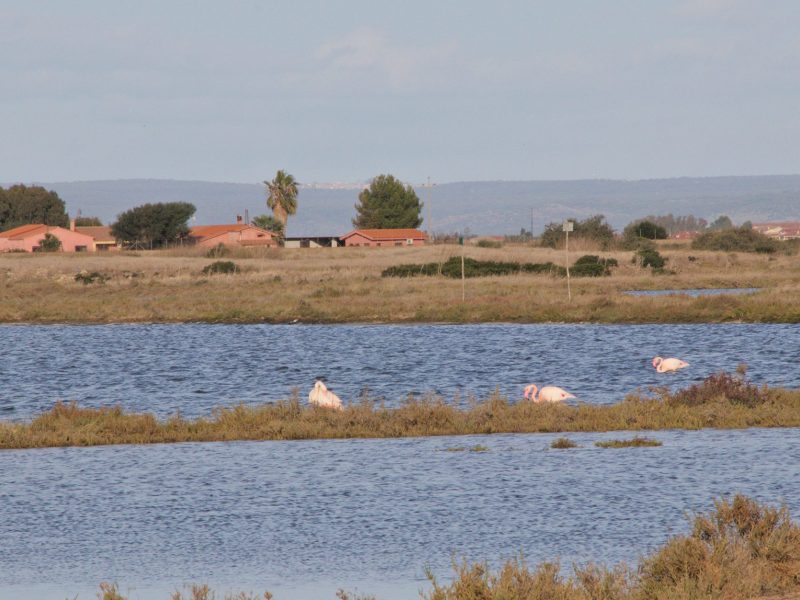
(321, 396)
(665, 365)
(548, 393)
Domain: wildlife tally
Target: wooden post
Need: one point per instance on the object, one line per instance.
(463, 277)
(567, 228)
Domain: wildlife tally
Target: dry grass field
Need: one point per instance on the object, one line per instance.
(339, 285)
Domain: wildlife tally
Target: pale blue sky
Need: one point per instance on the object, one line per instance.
(342, 91)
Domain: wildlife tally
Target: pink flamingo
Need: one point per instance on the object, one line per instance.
(323, 397)
(549, 393)
(664, 365)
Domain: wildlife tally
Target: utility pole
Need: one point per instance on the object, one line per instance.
(568, 226)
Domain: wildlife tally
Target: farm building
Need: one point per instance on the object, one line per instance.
(101, 235)
(28, 238)
(239, 234)
(384, 237)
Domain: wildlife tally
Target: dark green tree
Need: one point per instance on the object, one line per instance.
(88, 222)
(153, 225)
(50, 243)
(386, 204)
(637, 231)
(594, 228)
(721, 222)
(269, 223)
(282, 196)
(23, 205)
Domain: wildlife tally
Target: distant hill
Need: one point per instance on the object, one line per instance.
(484, 207)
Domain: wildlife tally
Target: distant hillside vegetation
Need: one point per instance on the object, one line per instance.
(484, 207)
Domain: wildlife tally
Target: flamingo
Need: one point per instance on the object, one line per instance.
(323, 397)
(549, 393)
(664, 365)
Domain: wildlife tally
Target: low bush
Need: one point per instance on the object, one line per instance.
(649, 257)
(563, 443)
(736, 240)
(590, 265)
(224, 267)
(736, 389)
(489, 244)
(472, 268)
(94, 277)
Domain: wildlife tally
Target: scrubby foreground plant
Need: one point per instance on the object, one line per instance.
(741, 550)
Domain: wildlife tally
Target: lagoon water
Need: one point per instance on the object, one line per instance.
(305, 518)
(193, 368)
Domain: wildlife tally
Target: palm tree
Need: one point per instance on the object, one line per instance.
(282, 196)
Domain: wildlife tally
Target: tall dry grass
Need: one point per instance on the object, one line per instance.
(336, 285)
(705, 405)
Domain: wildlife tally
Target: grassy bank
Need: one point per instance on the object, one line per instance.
(721, 401)
(741, 550)
(341, 285)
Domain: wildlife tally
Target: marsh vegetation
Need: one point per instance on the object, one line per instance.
(716, 403)
(282, 285)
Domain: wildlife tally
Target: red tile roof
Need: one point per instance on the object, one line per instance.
(98, 233)
(24, 231)
(202, 231)
(388, 234)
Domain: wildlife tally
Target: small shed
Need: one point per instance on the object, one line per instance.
(384, 237)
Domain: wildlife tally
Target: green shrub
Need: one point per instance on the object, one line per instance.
(489, 244)
(736, 240)
(649, 257)
(472, 268)
(590, 265)
(224, 267)
(218, 251)
(50, 243)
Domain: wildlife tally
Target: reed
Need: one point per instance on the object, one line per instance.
(281, 285)
(71, 425)
(563, 443)
(634, 442)
(741, 550)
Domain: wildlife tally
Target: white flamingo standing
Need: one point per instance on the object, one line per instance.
(323, 397)
(665, 365)
(548, 393)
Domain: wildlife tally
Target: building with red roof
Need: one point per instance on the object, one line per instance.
(384, 237)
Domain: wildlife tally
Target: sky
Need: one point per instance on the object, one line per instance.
(453, 90)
